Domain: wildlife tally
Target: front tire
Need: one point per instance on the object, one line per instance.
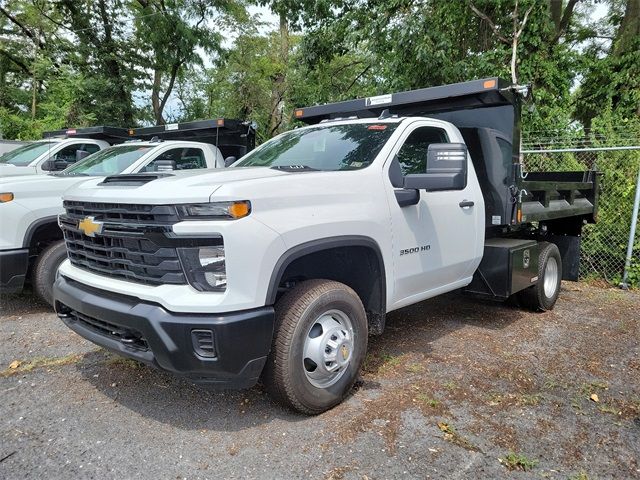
(319, 344)
(543, 295)
(45, 268)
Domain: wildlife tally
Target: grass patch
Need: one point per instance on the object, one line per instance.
(425, 399)
(579, 476)
(530, 400)
(450, 385)
(517, 461)
(43, 362)
(117, 361)
(390, 360)
(414, 368)
(593, 387)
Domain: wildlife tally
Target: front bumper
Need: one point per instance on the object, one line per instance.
(13, 270)
(149, 333)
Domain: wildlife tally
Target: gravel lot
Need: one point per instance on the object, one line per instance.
(456, 388)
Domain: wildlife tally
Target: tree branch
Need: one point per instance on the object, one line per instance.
(566, 18)
(24, 29)
(493, 26)
(20, 64)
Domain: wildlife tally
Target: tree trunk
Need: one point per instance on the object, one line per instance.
(155, 97)
(629, 29)
(279, 81)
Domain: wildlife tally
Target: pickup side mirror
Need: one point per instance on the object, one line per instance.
(446, 169)
(80, 154)
(229, 161)
(48, 166)
(165, 165)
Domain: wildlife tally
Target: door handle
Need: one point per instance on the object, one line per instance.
(466, 203)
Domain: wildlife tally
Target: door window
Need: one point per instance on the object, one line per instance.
(68, 155)
(183, 158)
(413, 154)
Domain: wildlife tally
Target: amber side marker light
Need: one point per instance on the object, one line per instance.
(489, 83)
(132, 131)
(6, 197)
(220, 122)
(299, 113)
(239, 209)
(519, 215)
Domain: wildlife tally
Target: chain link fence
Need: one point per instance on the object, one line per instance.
(604, 245)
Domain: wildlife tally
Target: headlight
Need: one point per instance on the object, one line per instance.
(6, 197)
(205, 268)
(215, 210)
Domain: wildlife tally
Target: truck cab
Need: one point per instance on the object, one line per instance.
(281, 266)
(58, 150)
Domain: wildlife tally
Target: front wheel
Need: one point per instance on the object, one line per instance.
(320, 342)
(45, 268)
(543, 295)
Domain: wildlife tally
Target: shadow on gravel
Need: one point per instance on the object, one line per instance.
(23, 304)
(171, 400)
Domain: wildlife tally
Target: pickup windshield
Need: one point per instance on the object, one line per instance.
(24, 155)
(325, 147)
(109, 161)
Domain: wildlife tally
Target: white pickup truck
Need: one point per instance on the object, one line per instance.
(31, 241)
(56, 153)
(282, 265)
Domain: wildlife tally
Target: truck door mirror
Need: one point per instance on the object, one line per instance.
(80, 154)
(48, 166)
(165, 165)
(229, 161)
(446, 169)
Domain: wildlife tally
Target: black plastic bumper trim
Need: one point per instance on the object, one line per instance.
(13, 270)
(242, 339)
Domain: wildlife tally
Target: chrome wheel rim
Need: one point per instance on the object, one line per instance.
(328, 348)
(550, 277)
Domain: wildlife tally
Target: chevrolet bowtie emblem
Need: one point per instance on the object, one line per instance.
(90, 227)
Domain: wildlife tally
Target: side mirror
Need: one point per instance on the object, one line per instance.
(229, 161)
(446, 169)
(165, 165)
(48, 166)
(80, 154)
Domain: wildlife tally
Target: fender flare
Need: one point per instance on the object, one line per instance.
(34, 226)
(324, 244)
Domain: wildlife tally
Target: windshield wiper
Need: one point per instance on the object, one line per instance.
(294, 168)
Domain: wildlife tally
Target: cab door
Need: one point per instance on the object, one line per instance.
(437, 241)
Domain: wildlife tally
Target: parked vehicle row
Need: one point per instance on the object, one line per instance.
(33, 248)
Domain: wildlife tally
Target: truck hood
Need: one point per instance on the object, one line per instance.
(8, 170)
(38, 185)
(179, 187)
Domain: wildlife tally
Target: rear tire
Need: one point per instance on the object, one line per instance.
(543, 295)
(319, 344)
(45, 268)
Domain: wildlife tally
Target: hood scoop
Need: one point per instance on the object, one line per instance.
(133, 179)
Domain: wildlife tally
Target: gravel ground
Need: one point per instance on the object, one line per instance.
(456, 388)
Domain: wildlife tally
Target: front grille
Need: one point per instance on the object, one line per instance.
(123, 213)
(127, 336)
(123, 249)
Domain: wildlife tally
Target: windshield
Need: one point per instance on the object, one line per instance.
(325, 147)
(24, 155)
(109, 161)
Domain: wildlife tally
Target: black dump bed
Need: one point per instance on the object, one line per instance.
(233, 137)
(487, 113)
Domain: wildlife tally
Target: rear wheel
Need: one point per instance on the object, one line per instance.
(543, 295)
(320, 342)
(45, 268)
